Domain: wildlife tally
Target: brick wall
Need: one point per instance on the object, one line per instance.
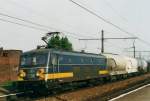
(9, 63)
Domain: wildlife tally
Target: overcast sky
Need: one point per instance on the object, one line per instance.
(62, 15)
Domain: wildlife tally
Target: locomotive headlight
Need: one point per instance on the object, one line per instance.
(21, 74)
(41, 74)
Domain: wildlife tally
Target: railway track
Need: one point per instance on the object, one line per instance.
(12, 94)
(109, 90)
(102, 92)
(130, 91)
(122, 92)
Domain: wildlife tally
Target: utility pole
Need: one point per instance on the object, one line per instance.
(134, 49)
(102, 42)
(103, 39)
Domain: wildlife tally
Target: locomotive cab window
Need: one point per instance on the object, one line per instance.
(60, 58)
(29, 60)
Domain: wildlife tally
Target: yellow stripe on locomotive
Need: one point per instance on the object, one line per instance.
(42, 75)
(103, 72)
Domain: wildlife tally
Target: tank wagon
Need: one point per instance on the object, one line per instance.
(142, 65)
(131, 65)
(116, 64)
(121, 66)
(49, 68)
(148, 66)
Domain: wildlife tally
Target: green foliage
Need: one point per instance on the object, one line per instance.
(54, 42)
(59, 43)
(7, 85)
(65, 44)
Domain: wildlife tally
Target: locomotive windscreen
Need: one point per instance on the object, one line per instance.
(34, 59)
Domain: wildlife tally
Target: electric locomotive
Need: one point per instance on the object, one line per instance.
(50, 67)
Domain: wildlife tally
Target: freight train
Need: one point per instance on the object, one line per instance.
(50, 68)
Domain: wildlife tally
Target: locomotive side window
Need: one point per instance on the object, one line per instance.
(69, 60)
(92, 60)
(87, 60)
(82, 60)
(34, 61)
(54, 59)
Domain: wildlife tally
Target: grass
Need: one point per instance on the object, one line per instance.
(7, 85)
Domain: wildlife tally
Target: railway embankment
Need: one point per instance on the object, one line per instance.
(101, 92)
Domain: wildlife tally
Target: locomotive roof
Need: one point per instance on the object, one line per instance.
(64, 52)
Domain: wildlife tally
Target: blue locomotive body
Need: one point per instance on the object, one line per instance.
(51, 66)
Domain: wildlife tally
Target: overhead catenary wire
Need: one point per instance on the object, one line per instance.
(33, 23)
(28, 21)
(113, 47)
(143, 41)
(41, 25)
(37, 13)
(28, 26)
(115, 11)
(123, 18)
(107, 21)
(101, 18)
(32, 27)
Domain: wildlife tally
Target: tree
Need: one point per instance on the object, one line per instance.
(59, 43)
(54, 42)
(65, 44)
